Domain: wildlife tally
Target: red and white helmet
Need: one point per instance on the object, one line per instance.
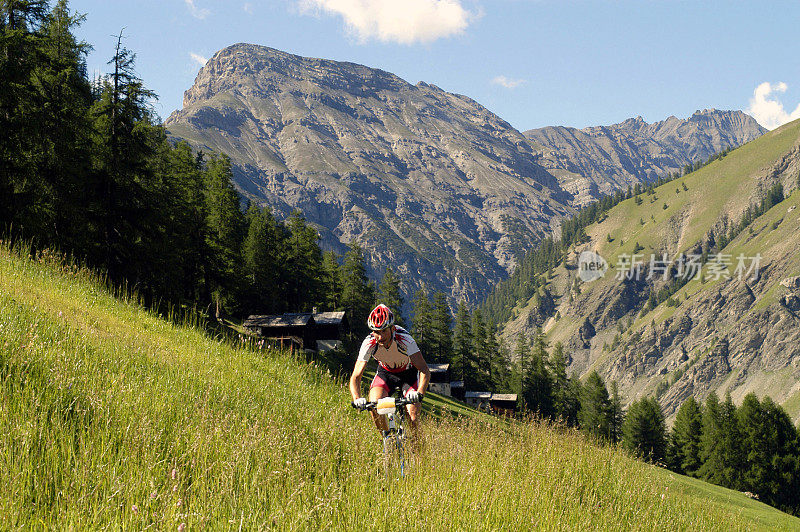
(380, 318)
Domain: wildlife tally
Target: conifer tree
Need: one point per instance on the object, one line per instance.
(770, 453)
(225, 226)
(61, 118)
(188, 219)
(685, 439)
(389, 294)
(422, 313)
(733, 458)
(20, 46)
(537, 386)
(441, 329)
(616, 414)
(462, 342)
(566, 403)
(711, 448)
(331, 281)
(644, 432)
(495, 363)
(755, 444)
(262, 260)
(358, 292)
(595, 407)
(478, 374)
(127, 187)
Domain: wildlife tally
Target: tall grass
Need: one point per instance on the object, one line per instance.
(111, 417)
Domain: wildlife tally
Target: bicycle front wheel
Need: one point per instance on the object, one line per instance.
(401, 459)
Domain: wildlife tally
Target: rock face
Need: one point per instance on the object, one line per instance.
(429, 182)
(594, 161)
(737, 333)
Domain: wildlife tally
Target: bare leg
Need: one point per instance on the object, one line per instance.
(380, 420)
(417, 438)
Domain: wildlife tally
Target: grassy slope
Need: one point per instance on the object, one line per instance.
(100, 401)
(722, 186)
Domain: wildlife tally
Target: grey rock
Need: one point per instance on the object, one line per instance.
(427, 181)
(792, 283)
(598, 160)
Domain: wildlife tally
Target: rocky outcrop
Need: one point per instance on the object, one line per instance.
(586, 332)
(659, 337)
(429, 182)
(598, 160)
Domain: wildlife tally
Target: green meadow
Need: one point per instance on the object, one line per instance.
(114, 418)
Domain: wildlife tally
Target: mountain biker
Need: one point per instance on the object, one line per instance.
(400, 365)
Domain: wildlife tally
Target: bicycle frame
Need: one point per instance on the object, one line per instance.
(394, 436)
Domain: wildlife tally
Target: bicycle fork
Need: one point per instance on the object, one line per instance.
(397, 434)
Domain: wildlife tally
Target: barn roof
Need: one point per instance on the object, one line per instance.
(504, 397)
(296, 319)
(329, 318)
(477, 395)
(279, 320)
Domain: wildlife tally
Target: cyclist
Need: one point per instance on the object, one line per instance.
(400, 366)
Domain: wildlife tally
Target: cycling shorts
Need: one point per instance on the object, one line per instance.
(390, 381)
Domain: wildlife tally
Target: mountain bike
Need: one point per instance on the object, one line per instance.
(394, 438)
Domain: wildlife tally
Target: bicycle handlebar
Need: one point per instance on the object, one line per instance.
(397, 402)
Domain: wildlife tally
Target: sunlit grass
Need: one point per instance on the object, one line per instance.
(113, 417)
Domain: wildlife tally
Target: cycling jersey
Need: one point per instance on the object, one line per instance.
(395, 358)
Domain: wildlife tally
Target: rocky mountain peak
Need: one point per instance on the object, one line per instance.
(254, 70)
(597, 160)
(429, 182)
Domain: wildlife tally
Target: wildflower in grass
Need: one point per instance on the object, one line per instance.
(181, 527)
(135, 509)
(179, 503)
(174, 474)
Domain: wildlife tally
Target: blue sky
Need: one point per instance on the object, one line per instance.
(532, 62)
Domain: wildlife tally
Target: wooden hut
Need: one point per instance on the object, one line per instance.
(329, 328)
(440, 378)
(295, 331)
(314, 331)
(479, 400)
(504, 403)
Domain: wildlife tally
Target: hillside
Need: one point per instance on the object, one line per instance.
(722, 334)
(594, 161)
(427, 181)
(113, 417)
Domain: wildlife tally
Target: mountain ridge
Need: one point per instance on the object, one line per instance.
(712, 334)
(427, 181)
(594, 161)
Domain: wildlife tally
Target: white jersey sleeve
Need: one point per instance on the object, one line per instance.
(367, 349)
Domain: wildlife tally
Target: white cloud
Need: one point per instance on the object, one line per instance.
(507, 82)
(196, 11)
(767, 111)
(199, 58)
(248, 8)
(404, 22)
